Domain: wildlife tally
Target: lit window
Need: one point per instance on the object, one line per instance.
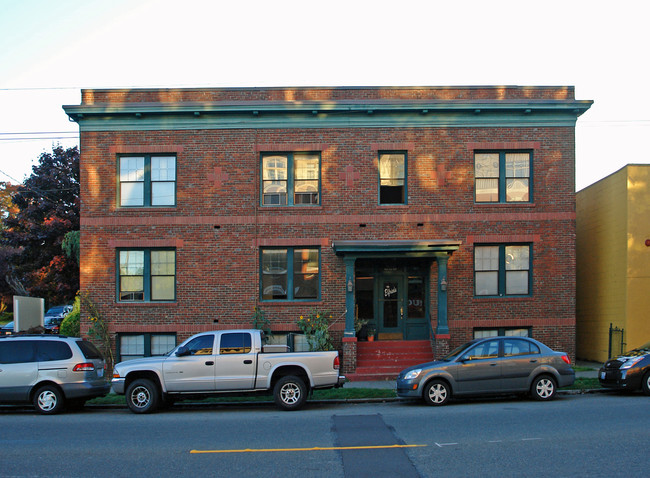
(147, 275)
(290, 274)
(392, 178)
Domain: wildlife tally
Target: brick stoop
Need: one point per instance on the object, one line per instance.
(384, 360)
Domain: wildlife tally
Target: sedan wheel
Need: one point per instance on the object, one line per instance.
(543, 388)
(436, 392)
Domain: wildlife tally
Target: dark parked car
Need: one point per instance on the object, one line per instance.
(494, 365)
(630, 371)
(7, 329)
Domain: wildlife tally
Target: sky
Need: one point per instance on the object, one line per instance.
(49, 50)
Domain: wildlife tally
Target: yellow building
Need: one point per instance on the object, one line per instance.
(613, 263)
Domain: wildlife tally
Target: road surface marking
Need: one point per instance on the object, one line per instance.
(316, 448)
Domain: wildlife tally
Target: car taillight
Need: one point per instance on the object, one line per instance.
(566, 359)
(336, 364)
(84, 367)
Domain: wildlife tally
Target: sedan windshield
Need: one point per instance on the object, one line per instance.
(457, 351)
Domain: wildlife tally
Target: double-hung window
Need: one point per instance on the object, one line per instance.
(131, 346)
(147, 181)
(502, 270)
(291, 273)
(290, 179)
(146, 275)
(392, 178)
(502, 177)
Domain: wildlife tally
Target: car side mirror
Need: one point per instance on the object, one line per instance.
(182, 351)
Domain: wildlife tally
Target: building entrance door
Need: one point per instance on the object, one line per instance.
(391, 306)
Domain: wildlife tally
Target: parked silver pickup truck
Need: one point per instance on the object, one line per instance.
(225, 361)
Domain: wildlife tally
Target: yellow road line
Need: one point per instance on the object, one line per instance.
(316, 448)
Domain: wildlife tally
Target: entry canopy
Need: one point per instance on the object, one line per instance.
(421, 248)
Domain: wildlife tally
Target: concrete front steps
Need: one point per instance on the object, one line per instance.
(385, 359)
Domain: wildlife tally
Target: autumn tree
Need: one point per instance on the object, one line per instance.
(47, 209)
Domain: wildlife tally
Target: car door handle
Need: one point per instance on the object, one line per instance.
(209, 362)
(248, 362)
(493, 365)
(533, 361)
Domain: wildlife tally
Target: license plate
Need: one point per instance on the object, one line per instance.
(100, 372)
(602, 375)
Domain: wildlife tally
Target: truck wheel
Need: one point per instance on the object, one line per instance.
(290, 393)
(142, 396)
(48, 400)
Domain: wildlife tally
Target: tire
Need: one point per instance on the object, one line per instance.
(543, 388)
(436, 392)
(290, 393)
(142, 396)
(645, 384)
(48, 400)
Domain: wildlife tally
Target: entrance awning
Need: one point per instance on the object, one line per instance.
(420, 248)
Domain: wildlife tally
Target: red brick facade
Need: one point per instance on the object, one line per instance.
(218, 224)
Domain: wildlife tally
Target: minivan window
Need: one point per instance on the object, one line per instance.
(48, 350)
(17, 351)
(89, 350)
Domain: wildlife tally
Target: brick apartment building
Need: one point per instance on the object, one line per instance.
(438, 214)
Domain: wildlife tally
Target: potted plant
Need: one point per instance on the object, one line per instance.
(371, 334)
(360, 328)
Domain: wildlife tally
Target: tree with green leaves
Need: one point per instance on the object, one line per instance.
(47, 209)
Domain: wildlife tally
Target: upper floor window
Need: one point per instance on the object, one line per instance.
(290, 179)
(290, 273)
(502, 177)
(392, 178)
(147, 181)
(502, 270)
(147, 275)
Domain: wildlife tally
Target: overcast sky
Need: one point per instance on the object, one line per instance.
(50, 49)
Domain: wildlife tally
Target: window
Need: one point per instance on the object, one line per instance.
(502, 177)
(147, 181)
(514, 347)
(50, 350)
(147, 275)
(20, 351)
(486, 350)
(235, 343)
(290, 274)
(392, 178)
(201, 345)
(481, 333)
(290, 179)
(145, 345)
(502, 270)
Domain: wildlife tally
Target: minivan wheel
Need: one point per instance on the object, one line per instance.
(290, 393)
(645, 384)
(543, 388)
(142, 396)
(48, 400)
(436, 392)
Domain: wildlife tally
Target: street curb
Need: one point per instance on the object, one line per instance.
(190, 404)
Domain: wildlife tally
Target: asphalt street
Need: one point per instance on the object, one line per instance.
(601, 434)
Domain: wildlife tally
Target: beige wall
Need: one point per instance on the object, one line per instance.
(613, 263)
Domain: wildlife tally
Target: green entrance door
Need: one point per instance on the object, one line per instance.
(391, 306)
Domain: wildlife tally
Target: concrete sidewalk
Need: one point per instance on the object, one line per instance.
(390, 384)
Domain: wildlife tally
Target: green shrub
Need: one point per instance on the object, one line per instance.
(70, 325)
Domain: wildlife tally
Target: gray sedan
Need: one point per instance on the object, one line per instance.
(494, 365)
